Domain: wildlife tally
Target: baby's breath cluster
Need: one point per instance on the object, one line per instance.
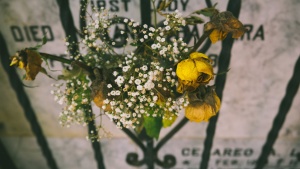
(134, 87)
(143, 83)
(76, 97)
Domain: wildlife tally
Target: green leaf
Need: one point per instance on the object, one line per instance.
(168, 120)
(192, 20)
(152, 126)
(69, 74)
(206, 12)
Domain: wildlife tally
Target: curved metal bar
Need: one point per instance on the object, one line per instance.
(132, 159)
(170, 134)
(168, 162)
(135, 139)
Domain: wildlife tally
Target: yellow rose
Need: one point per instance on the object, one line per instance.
(203, 109)
(193, 71)
(199, 111)
(222, 24)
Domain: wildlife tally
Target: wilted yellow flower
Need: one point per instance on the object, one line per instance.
(99, 97)
(29, 60)
(203, 109)
(99, 91)
(222, 24)
(199, 111)
(193, 71)
(216, 35)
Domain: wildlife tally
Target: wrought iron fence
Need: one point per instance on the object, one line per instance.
(146, 144)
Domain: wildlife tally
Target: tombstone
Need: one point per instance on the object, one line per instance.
(257, 97)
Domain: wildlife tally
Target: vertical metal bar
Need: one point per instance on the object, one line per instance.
(145, 8)
(207, 44)
(68, 25)
(145, 12)
(24, 101)
(82, 14)
(233, 6)
(150, 156)
(95, 144)
(5, 159)
(70, 31)
(285, 105)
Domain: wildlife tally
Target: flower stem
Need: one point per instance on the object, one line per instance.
(68, 61)
(57, 58)
(200, 41)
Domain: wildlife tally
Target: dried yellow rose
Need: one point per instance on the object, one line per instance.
(100, 91)
(222, 24)
(193, 71)
(30, 60)
(203, 109)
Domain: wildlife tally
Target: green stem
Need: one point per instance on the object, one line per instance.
(200, 41)
(70, 62)
(57, 58)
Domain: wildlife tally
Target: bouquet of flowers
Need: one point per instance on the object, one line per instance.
(142, 88)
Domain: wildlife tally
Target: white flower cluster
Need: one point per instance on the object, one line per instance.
(76, 97)
(141, 83)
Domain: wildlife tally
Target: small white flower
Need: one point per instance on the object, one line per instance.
(161, 52)
(106, 101)
(137, 81)
(113, 93)
(153, 46)
(125, 68)
(152, 29)
(149, 85)
(158, 45)
(119, 80)
(144, 68)
(139, 87)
